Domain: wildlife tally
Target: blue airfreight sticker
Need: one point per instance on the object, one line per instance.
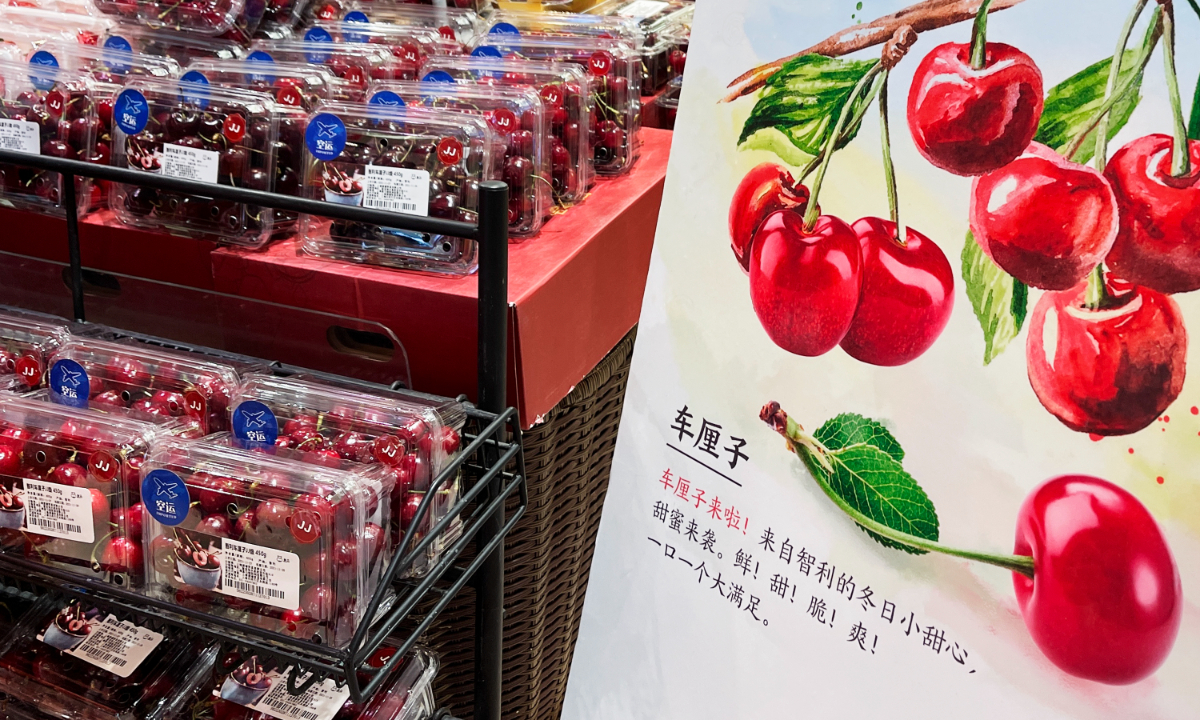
(262, 58)
(387, 98)
(503, 28)
(69, 384)
(325, 137)
(131, 111)
(486, 51)
(43, 79)
(165, 497)
(193, 88)
(254, 422)
(438, 76)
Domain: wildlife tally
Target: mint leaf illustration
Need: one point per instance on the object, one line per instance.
(850, 429)
(1000, 301)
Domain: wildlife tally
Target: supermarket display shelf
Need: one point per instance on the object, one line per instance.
(492, 464)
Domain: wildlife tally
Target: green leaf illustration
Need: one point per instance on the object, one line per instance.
(1194, 125)
(1071, 104)
(804, 99)
(1000, 301)
(874, 483)
(850, 429)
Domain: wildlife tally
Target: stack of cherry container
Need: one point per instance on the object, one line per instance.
(207, 481)
(383, 104)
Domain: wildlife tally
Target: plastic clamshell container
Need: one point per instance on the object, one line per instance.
(616, 70)
(566, 91)
(69, 479)
(30, 27)
(72, 7)
(280, 19)
(413, 436)
(180, 47)
(199, 17)
(45, 110)
(194, 130)
(654, 16)
(26, 343)
(297, 89)
(409, 46)
(14, 606)
(43, 665)
(354, 64)
(667, 104)
(415, 161)
(268, 540)
(145, 378)
(458, 24)
(524, 146)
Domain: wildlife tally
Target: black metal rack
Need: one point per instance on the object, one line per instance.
(492, 458)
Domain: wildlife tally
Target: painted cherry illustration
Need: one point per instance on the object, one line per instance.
(804, 283)
(973, 108)
(1043, 219)
(765, 189)
(1105, 601)
(1159, 241)
(1111, 370)
(907, 295)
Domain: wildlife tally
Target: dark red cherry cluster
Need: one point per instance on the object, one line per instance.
(67, 127)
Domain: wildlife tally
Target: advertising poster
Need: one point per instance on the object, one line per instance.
(942, 467)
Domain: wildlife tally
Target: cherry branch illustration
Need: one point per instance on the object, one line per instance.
(918, 18)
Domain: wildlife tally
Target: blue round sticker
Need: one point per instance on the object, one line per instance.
(117, 48)
(387, 98)
(486, 51)
(116, 42)
(503, 28)
(43, 79)
(255, 423)
(317, 35)
(356, 16)
(438, 76)
(131, 111)
(193, 88)
(165, 497)
(69, 384)
(262, 58)
(325, 137)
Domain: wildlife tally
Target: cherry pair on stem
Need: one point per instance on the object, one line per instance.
(1093, 576)
(881, 292)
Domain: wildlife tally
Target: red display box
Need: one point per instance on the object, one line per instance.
(574, 291)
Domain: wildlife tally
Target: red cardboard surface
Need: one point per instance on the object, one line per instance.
(575, 290)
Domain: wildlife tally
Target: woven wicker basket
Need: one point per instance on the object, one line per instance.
(548, 556)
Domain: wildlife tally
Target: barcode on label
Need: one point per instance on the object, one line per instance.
(291, 709)
(60, 527)
(259, 590)
(105, 657)
(396, 206)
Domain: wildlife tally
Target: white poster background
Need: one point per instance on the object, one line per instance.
(654, 642)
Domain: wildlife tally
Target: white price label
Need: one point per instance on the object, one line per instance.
(21, 136)
(118, 647)
(641, 9)
(396, 189)
(60, 511)
(322, 701)
(190, 163)
(261, 574)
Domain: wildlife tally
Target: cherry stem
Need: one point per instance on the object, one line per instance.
(816, 458)
(1154, 33)
(855, 122)
(1097, 295)
(1114, 77)
(1181, 164)
(979, 37)
(889, 169)
(811, 215)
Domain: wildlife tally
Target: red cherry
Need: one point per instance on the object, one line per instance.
(128, 371)
(1159, 242)
(121, 555)
(766, 189)
(970, 121)
(129, 518)
(216, 525)
(345, 554)
(408, 511)
(272, 516)
(1105, 601)
(907, 295)
(317, 602)
(805, 284)
(1045, 220)
(69, 474)
(315, 566)
(315, 504)
(217, 494)
(10, 459)
(100, 506)
(451, 440)
(110, 398)
(1110, 371)
(172, 402)
(291, 426)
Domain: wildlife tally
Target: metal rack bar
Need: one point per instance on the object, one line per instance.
(492, 490)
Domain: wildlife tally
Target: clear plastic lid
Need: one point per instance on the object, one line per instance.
(458, 24)
(653, 16)
(281, 19)
(524, 145)
(667, 104)
(45, 110)
(566, 91)
(240, 687)
(416, 161)
(26, 343)
(30, 27)
(109, 64)
(195, 130)
(517, 22)
(77, 662)
(88, 371)
(14, 606)
(355, 64)
(289, 546)
(180, 47)
(409, 46)
(73, 7)
(616, 69)
(200, 17)
(69, 487)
